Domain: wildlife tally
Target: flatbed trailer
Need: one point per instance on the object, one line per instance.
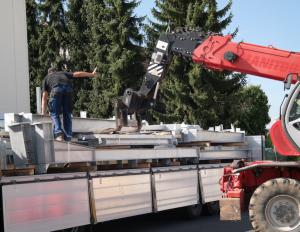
(53, 202)
(126, 175)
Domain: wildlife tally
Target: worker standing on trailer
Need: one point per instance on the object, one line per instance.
(59, 85)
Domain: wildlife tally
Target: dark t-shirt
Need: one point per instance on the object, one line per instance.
(57, 78)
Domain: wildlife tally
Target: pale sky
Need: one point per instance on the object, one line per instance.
(267, 22)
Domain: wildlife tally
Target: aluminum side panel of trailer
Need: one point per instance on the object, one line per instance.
(175, 187)
(45, 206)
(209, 177)
(121, 195)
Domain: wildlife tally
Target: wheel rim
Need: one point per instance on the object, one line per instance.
(282, 213)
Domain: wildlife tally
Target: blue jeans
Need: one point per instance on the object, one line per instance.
(61, 102)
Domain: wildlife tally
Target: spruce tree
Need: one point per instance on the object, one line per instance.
(91, 99)
(33, 50)
(46, 40)
(115, 36)
(218, 92)
(190, 93)
(52, 38)
(78, 49)
(125, 58)
(77, 37)
(169, 15)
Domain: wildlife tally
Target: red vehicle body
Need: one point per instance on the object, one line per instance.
(267, 62)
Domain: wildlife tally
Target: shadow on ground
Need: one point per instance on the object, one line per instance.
(174, 221)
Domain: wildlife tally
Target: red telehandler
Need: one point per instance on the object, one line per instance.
(273, 187)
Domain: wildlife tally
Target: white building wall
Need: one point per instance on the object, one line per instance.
(14, 73)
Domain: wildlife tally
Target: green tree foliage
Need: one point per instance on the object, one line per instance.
(115, 36)
(254, 109)
(78, 39)
(80, 35)
(53, 34)
(169, 14)
(98, 50)
(33, 28)
(46, 39)
(78, 48)
(173, 97)
(123, 32)
(190, 93)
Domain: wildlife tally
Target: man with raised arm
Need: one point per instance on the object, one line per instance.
(59, 85)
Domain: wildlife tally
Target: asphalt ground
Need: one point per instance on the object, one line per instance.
(174, 221)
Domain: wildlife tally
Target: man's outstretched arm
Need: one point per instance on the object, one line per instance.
(79, 74)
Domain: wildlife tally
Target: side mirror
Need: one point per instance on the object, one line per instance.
(288, 82)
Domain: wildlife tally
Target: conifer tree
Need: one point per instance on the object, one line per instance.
(78, 49)
(169, 14)
(95, 33)
(52, 38)
(219, 100)
(115, 35)
(33, 51)
(78, 39)
(190, 93)
(91, 99)
(46, 39)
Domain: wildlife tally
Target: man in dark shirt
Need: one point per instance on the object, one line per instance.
(59, 85)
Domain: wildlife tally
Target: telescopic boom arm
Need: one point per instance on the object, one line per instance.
(220, 53)
(214, 52)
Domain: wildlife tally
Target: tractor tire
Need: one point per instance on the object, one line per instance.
(194, 211)
(274, 206)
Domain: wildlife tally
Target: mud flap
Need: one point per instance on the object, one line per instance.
(230, 209)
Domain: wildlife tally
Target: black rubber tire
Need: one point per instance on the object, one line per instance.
(264, 194)
(194, 211)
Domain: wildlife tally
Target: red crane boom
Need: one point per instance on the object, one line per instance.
(220, 53)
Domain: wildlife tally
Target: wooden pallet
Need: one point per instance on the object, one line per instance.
(230, 144)
(195, 144)
(18, 171)
(73, 167)
(136, 165)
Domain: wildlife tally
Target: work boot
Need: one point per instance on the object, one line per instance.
(59, 138)
(68, 138)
